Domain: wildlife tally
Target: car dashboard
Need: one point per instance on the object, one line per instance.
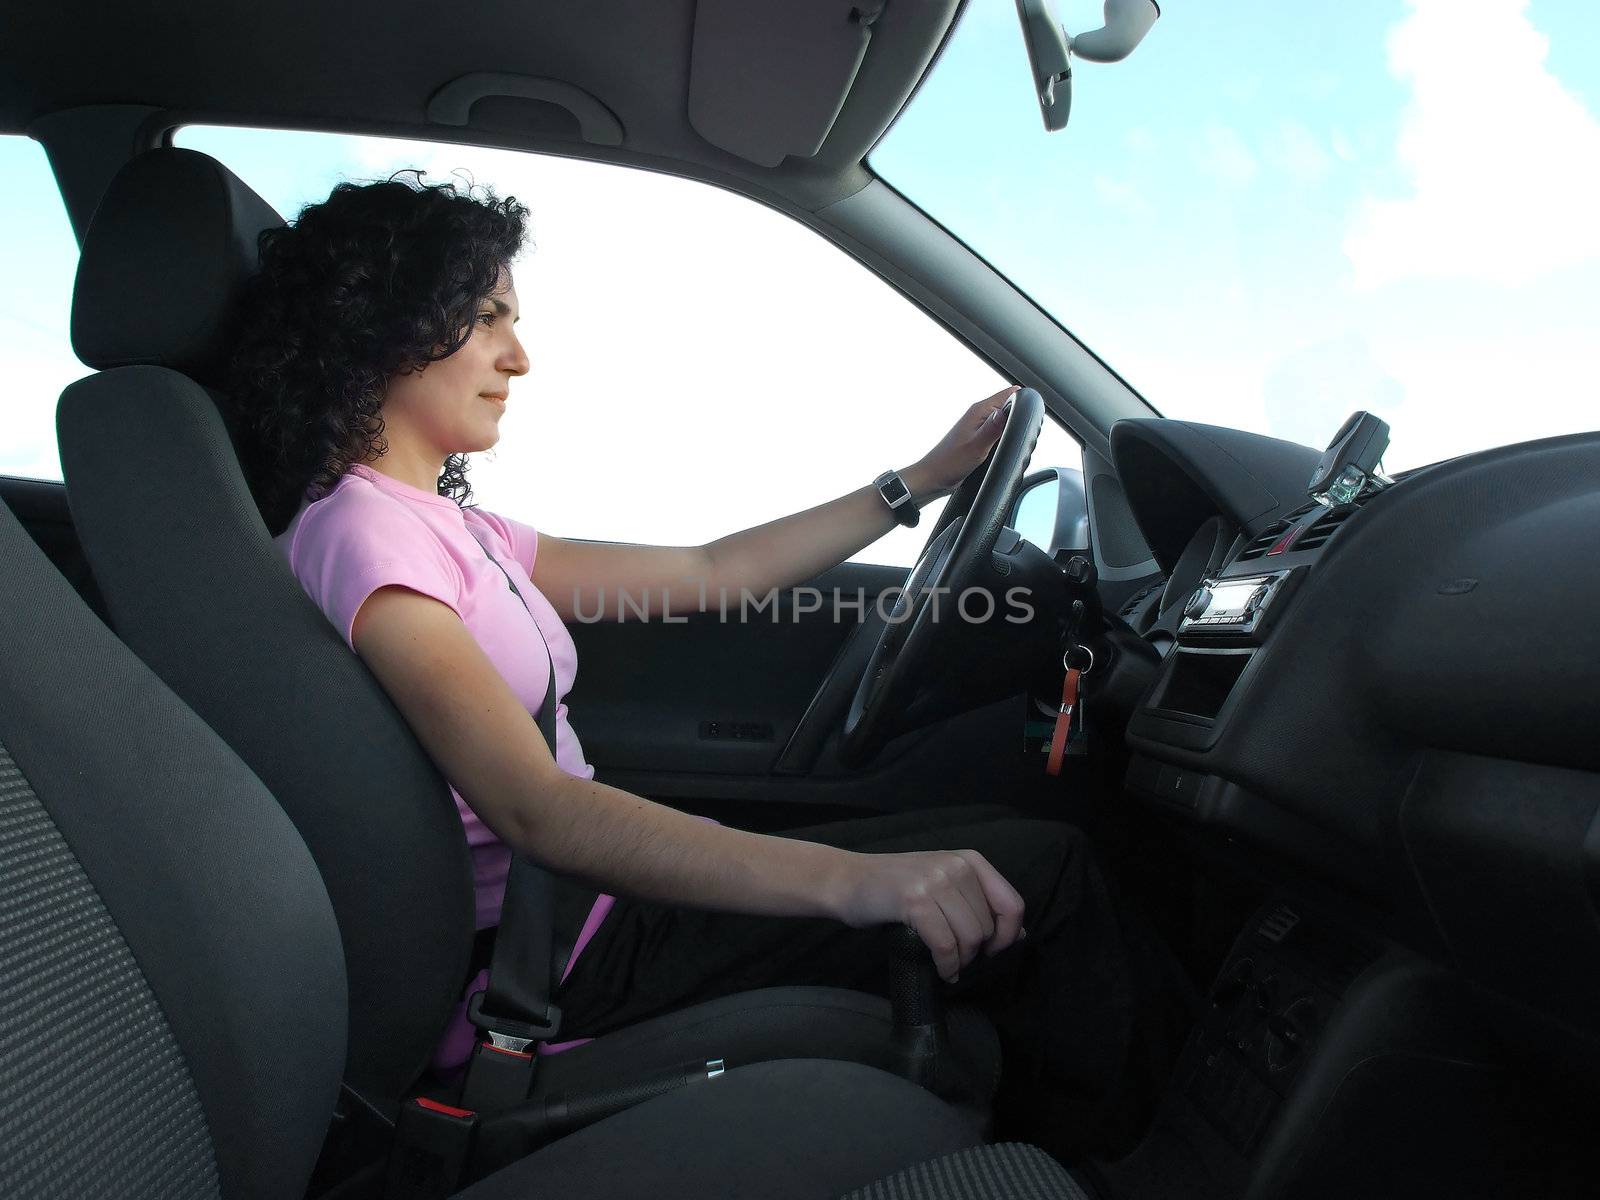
(1391, 704)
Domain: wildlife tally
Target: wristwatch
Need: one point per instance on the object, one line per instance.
(897, 496)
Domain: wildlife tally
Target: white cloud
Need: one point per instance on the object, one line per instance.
(1461, 397)
(1503, 161)
(1310, 390)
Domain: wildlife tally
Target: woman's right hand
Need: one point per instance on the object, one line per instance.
(955, 900)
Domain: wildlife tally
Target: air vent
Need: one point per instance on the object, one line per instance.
(1278, 923)
(1133, 603)
(1324, 527)
(1264, 542)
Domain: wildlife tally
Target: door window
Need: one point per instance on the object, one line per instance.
(700, 363)
(41, 257)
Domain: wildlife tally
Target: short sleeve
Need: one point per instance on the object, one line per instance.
(357, 541)
(520, 541)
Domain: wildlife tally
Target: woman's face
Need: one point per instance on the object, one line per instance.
(454, 406)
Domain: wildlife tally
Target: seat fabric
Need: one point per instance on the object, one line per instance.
(172, 992)
(793, 1130)
(172, 985)
(1011, 1169)
(193, 583)
(778, 1022)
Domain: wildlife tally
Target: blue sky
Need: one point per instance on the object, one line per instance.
(1268, 216)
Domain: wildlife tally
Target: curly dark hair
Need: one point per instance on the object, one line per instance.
(378, 280)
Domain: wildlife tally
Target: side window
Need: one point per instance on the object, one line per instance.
(700, 364)
(41, 258)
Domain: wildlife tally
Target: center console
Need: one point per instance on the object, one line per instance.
(1326, 1065)
(1232, 606)
(1229, 616)
(1328, 1062)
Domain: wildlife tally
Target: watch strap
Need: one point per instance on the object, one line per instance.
(897, 495)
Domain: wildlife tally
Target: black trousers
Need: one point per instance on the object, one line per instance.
(1086, 1008)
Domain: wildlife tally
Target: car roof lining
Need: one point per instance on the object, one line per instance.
(632, 57)
(50, 92)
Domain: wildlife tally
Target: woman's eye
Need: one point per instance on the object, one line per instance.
(489, 316)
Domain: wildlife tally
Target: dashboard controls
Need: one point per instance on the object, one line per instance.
(1080, 572)
(1231, 605)
(1289, 1032)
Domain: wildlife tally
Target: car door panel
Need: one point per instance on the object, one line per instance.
(648, 694)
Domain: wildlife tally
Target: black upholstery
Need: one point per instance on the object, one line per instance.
(778, 1022)
(71, 981)
(195, 586)
(174, 234)
(778, 1131)
(174, 1012)
(171, 980)
(193, 583)
(1011, 1169)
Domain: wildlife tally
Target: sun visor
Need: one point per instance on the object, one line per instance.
(768, 77)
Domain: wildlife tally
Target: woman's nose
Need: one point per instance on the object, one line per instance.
(516, 358)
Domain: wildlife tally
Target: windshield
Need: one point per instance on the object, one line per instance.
(1272, 215)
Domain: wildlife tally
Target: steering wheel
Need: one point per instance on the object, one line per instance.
(955, 558)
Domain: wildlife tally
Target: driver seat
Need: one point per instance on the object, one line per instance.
(172, 983)
(195, 586)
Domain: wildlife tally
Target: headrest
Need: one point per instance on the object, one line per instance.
(170, 245)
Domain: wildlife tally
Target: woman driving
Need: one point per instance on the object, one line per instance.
(381, 350)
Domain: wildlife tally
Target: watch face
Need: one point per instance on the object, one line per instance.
(894, 490)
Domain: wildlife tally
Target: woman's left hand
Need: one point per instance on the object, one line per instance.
(943, 468)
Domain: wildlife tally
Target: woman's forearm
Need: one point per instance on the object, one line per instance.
(623, 843)
(955, 900)
(482, 738)
(795, 548)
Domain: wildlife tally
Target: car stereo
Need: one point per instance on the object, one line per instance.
(1231, 606)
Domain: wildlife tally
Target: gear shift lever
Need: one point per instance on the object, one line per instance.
(920, 1041)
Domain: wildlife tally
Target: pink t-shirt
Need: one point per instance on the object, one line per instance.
(372, 531)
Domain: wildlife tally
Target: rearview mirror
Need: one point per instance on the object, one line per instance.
(1051, 50)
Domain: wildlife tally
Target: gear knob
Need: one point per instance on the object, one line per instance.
(920, 1040)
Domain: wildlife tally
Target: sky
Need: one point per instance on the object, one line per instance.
(1267, 217)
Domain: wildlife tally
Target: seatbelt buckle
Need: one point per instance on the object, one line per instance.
(431, 1145)
(500, 1072)
(506, 1033)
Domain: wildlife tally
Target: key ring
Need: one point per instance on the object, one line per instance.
(1066, 660)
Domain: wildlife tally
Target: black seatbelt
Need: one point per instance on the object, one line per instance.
(514, 1012)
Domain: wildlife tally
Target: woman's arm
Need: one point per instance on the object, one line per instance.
(488, 746)
(587, 580)
(590, 581)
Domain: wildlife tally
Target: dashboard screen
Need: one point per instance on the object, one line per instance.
(1230, 599)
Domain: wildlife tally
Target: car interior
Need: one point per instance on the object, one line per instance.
(1358, 802)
